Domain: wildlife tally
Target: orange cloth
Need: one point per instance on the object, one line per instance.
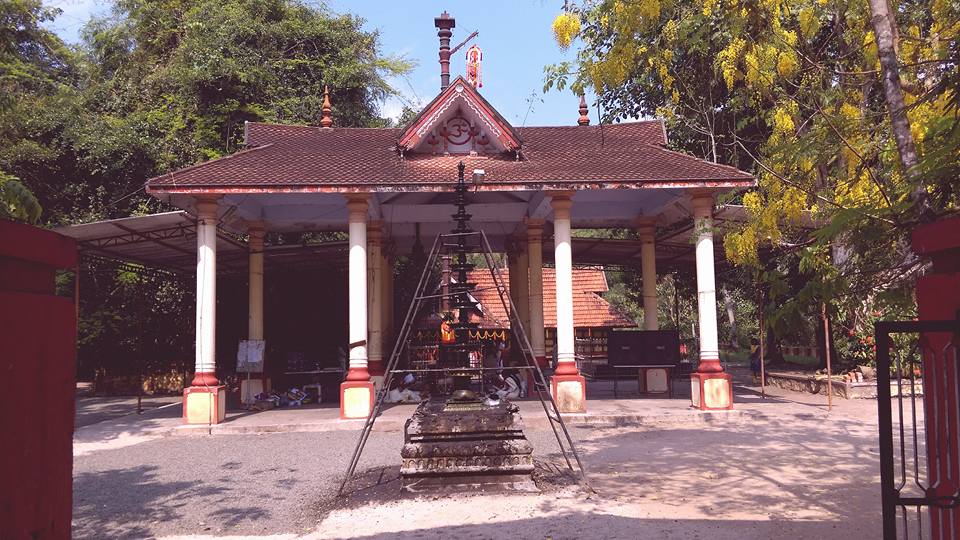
(447, 335)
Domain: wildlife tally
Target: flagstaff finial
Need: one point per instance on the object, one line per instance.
(325, 119)
(584, 119)
(445, 25)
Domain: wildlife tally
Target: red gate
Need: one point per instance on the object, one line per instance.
(37, 367)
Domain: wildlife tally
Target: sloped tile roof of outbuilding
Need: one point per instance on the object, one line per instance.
(590, 310)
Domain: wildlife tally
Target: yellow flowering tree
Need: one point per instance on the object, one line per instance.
(800, 93)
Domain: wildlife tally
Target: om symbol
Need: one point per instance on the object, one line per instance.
(458, 131)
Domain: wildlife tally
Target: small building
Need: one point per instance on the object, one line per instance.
(593, 316)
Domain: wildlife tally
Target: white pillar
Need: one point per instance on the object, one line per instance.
(356, 392)
(706, 286)
(564, 282)
(711, 387)
(204, 402)
(535, 258)
(569, 387)
(648, 265)
(206, 329)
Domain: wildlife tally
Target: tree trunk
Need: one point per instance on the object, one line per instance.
(883, 24)
(822, 343)
(731, 317)
(772, 352)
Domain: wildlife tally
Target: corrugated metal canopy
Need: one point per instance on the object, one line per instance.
(166, 241)
(675, 248)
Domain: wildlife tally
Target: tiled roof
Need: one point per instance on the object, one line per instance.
(590, 310)
(314, 158)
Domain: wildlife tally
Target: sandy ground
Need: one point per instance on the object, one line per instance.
(94, 410)
(789, 470)
(794, 478)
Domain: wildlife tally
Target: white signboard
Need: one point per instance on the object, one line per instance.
(250, 356)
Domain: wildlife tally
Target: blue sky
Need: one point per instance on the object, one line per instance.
(515, 36)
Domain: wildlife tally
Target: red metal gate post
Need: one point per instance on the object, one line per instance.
(938, 298)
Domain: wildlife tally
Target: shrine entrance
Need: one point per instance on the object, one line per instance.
(385, 190)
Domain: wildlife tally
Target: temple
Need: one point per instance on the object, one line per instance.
(387, 188)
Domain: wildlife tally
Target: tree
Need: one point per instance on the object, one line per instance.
(33, 64)
(792, 89)
(32, 59)
(155, 86)
(161, 84)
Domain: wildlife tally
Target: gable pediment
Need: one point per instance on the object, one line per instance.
(459, 121)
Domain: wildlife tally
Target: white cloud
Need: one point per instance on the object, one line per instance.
(392, 108)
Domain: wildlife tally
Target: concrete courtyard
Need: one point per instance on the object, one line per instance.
(779, 467)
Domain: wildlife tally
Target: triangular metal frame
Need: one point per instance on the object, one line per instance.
(564, 441)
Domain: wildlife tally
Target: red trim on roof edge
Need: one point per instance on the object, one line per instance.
(438, 187)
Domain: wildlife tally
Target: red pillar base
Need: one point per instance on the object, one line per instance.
(570, 393)
(356, 399)
(711, 391)
(204, 404)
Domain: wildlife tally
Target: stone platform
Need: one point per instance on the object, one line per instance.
(464, 447)
(814, 384)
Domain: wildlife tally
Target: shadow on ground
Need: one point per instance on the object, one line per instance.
(98, 512)
(92, 410)
(578, 525)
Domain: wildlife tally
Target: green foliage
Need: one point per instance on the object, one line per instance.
(790, 89)
(155, 86)
(32, 58)
(159, 85)
(16, 201)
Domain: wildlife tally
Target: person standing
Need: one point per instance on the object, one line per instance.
(755, 360)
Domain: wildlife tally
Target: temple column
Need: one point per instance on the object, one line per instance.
(523, 283)
(512, 274)
(250, 387)
(356, 392)
(648, 266)
(386, 283)
(375, 298)
(567, 385)
(535, 259)
(204, 402)
(711, 387)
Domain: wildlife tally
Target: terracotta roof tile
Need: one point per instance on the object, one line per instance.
(590, 310)
(304, 156)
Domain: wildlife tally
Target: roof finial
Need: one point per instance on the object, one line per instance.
(584, 119)
(325, 119)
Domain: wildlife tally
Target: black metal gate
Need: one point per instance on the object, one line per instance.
(918, 394)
